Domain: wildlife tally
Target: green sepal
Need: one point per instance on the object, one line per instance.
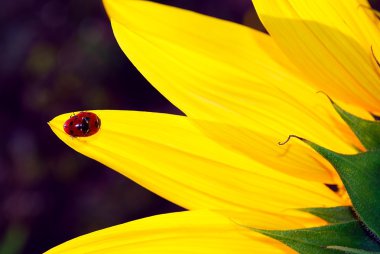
(318, 240)
(332, 214)
(360, 174)
(368, 132)
(352, 250)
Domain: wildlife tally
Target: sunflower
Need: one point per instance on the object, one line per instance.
(242, 91)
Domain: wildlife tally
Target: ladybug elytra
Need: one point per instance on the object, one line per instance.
(84, 124)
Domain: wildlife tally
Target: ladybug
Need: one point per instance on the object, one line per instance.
(84, 124)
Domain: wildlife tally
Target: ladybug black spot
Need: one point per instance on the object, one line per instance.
(84, 126)
(97, 123)
(86, 119)
(71, 123)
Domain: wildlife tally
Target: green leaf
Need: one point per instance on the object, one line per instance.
(352, 250)
(317, 240)
(360, 174)
(368, 132)
(332, 214)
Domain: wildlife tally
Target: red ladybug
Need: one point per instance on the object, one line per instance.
(84, 124)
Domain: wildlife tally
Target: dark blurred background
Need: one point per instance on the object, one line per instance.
(59, 56)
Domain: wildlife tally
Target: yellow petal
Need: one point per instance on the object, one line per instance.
(198, 232)
(294, 158)
(229, 77)
(170, 156)
(284, 219)
(330, 42)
